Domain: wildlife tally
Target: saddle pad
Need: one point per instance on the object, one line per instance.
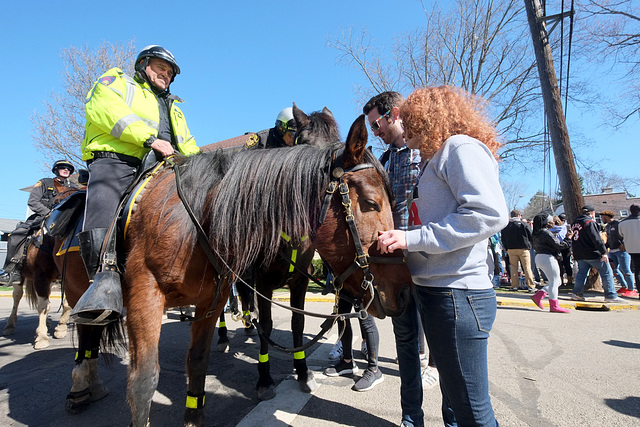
(134, 196)
(70, 241)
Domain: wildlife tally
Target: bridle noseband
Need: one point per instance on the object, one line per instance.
(362, 260)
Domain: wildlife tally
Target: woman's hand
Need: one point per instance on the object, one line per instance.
(389, 241)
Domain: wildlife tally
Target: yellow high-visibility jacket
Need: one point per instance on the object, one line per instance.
(122, 114)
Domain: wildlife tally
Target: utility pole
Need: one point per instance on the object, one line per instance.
(565, 164)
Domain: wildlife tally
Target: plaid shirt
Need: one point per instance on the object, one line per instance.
(403, 168)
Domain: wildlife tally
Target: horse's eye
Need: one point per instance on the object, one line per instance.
(371, 205)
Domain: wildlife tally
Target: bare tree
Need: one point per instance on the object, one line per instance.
(59, 128)
(479, 45)
(613, 31)
(594, 181)
(513, 192)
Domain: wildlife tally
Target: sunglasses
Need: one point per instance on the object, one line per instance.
(64, 167)
(375, 126)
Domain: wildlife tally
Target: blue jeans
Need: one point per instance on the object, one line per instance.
(457, 324)
(606, 274)
(405, 329)
(622, 262)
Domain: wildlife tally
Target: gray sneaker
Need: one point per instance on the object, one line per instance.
(369, 379)
(577, 297)
(615, 299)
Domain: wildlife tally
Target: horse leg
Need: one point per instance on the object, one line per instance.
(197, 362)
(61, 330)
(42, 338)
(298, 289)
(10, 328)
(86, 387)
(246, 297)
(223, 338)
(266, 386)
(144, 321)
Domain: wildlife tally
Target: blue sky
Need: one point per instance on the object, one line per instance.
(242, 62)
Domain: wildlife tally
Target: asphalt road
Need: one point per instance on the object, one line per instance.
(546, 369)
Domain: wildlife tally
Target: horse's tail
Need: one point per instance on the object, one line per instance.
(30, 291)
(113, 342)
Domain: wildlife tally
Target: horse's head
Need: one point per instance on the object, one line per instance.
(362, 183)
(318, 128)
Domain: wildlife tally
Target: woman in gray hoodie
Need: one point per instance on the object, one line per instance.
(461, 205)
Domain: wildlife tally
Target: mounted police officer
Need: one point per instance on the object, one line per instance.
(125, 118)
(282, 135)
(41, 201)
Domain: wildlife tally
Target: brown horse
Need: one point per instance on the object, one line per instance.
(38, 274)
(260, 194)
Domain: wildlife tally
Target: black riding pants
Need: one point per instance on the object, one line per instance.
(108, 181)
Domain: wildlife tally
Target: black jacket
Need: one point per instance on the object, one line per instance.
(545, 242)
(516, 235)
(587, 243)
(614, 240)
(268, 138)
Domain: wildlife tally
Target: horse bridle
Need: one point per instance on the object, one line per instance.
(362, 260)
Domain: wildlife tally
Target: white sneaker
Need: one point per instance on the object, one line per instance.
(430, 378)
(336, 351)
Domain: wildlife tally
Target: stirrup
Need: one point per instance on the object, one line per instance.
(101, 304)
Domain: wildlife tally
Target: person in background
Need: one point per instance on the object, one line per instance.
(41, 200)
(548, 249)
(281, 135)
(620, 259)
(589, 250)
(516, 239)
(461, 205)
(629, 230)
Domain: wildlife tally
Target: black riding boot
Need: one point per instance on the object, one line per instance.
(102, 302)
(12, 274)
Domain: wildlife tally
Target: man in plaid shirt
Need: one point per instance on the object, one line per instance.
(403, 166)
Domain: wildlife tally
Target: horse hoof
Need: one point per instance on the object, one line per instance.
(9, 330)
(223, 347)
(60, 333)
(98, 392)
(266, 393)
(310, 385)
(78, 402)
(40, 344)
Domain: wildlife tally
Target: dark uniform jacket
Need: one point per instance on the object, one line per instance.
(268, 138)
(587, 243)
(516, 235)
(42, 197)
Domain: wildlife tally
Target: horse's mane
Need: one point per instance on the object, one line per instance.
(200, 174)
(266, 192)
(322, 130)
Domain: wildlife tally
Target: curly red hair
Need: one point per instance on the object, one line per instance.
(434, 114)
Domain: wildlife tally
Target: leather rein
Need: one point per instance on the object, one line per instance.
(361, 261)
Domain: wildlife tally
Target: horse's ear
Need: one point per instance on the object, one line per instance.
(328, 112)
(302, 120)
(356, 143)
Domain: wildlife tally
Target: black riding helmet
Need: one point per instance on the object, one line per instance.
(154, 51)
(60, 163)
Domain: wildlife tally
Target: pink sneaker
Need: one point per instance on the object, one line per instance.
(629, 294)
(622, 290)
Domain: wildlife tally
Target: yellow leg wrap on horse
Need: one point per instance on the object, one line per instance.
(298, 355)
(222, 325)
(246, 313)
(263, 358)
(194, 402)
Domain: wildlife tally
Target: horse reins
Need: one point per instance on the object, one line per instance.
(362, 260)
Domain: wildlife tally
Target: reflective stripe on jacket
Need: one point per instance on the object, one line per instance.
(122, 114)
